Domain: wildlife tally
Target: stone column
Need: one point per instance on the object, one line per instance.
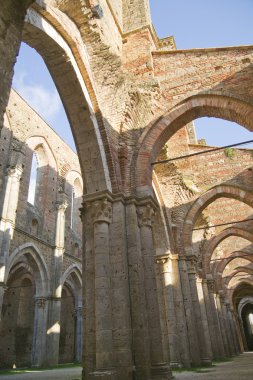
(227, 325)
(2, 291)
(210, 319)
(105, 364)
(231, 324)
(184, 348)
(217, 329)
(79, 333)
(222, 325)
(189, 313)
(239, 341)
(235, 332)
(204, 317)
(39, 332)
(9, 202)
(159, 368)
(205, 354)
(54, 302)
(53, 330)
(59, 248)
(140, 333)
(166, 272)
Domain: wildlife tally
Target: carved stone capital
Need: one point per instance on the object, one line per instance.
(14, 171)
(101, 210)
(161, 260)
(210, 284)
(40, 302)
(61, 206)
(78, 312)
(192, 264)
(145, 215)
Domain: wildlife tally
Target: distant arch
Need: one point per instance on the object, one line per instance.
(36, 261)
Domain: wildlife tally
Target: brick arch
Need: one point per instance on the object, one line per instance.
(219, 269)
(159, 132)
(220, 191)
(236, 276)
(214, 242)
(66, 64)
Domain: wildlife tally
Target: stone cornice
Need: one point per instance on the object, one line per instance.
(202, 50)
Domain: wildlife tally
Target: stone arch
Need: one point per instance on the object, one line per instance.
(45, 153)
(244, 301)
(71, 315)
(158, 132)
(66, 64)
(218, 270)
(232, 231)
(220, 191)
(76, 273)
(36, 261)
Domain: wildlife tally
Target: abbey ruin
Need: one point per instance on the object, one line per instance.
(130, 267)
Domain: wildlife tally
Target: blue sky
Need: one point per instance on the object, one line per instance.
(194, 24)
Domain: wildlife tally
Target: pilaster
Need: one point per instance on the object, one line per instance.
(9, 203)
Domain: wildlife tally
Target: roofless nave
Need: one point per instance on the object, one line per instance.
(163, 283)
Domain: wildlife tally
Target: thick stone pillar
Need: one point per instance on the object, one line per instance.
(53, 330)
(79, 333)
(39, 332)
(139, 318)
(159, 368)
(189, 313)
(226, 325)
(222, 325)
(165, 270)
(9, 202)
(234, 330)
(205, 354)
(54, 302)
(217, 329)
(204, 317)
(210, 319)
(11, 25)
(184, 348)
(105, 364)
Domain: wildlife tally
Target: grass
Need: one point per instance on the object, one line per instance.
(37, 369)
(194, 369)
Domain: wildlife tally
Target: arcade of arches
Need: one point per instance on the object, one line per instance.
(166, 277)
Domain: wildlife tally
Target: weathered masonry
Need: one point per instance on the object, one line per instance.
(41, 299)
(167, 281)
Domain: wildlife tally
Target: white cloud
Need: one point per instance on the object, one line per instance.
(46, 102)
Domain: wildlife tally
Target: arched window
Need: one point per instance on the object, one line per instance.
(33, 180)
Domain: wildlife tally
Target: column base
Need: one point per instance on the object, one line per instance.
(206, 362)
(103, 374)
(175, 365)
(161, 371)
